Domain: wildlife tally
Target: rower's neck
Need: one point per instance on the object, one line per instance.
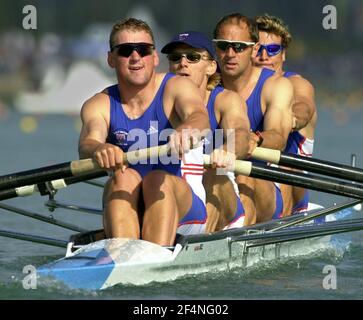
(139, 97)
(244, 83)
(205, 95)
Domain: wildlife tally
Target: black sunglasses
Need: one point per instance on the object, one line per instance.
(126, 49)
(192, 57)
(237, 46)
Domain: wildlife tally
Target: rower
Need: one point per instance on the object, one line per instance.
(268, 97)
(144, 109)
(275, 38)
(191, 54)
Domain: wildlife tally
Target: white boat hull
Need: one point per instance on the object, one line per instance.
(106, 263)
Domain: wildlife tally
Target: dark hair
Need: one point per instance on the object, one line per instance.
(237, 18)
(129, 24)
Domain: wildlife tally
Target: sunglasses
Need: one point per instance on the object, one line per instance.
(271, 49)
(192, 57)
(237, 46)
(126, 49)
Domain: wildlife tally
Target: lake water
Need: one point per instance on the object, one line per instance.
(53, 139)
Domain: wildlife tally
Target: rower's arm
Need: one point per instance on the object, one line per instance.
(188, 104)
(233, 117)
(278, 98)
(94, 126)
(304, 106)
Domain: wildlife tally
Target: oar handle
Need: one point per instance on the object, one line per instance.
(268, 155)
(84, 166)
(241, 167)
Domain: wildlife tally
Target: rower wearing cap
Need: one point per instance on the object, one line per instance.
(191, 54)
(274, 38)
(269, 99)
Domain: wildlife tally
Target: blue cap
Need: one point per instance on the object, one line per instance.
(194, 39)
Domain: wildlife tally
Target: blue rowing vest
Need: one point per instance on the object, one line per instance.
(143, 132)
(295, 138)
(213, 140)
(254, 110)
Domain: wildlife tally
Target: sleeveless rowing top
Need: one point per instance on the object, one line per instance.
(254, 109)
(288, 74)
(215, 138)
(151, 129)
(296, 142)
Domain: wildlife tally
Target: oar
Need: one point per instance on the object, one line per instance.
(333, 169)
(72, 169)
(34, 238)
(306, 232)
(298, 179)
(320, 213)
(40, 217)
(47, 188)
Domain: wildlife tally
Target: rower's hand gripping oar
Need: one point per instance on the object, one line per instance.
(309, 164)
(76, 168)
(298, 179)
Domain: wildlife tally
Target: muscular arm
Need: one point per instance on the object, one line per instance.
(231, 112)
(277, 95)
(94, 127)
(92, 140)
(185, 108)
(303, 107)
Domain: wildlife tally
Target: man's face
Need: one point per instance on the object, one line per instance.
(138, 68)
(261, 58)
(234, 63)
(193, 63)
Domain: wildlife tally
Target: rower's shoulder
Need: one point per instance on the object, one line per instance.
(229, 97)
(179, 85)
(276, 83)
(298, 81)
(98, 102)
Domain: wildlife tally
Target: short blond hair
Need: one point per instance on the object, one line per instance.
(129, 24)
(213, 81)
(275, 25)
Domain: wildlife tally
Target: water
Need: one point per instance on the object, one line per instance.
(53, 139)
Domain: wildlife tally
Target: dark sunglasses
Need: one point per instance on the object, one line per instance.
(192, 57)
(271, 49)
(237, 46)
(126, 49)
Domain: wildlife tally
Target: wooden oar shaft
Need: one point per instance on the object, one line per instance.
(309, 164)
(72, 169)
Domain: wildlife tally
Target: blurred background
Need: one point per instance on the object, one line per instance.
(54, 68)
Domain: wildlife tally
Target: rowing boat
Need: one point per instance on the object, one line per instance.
(92, 262)
(108, 262)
